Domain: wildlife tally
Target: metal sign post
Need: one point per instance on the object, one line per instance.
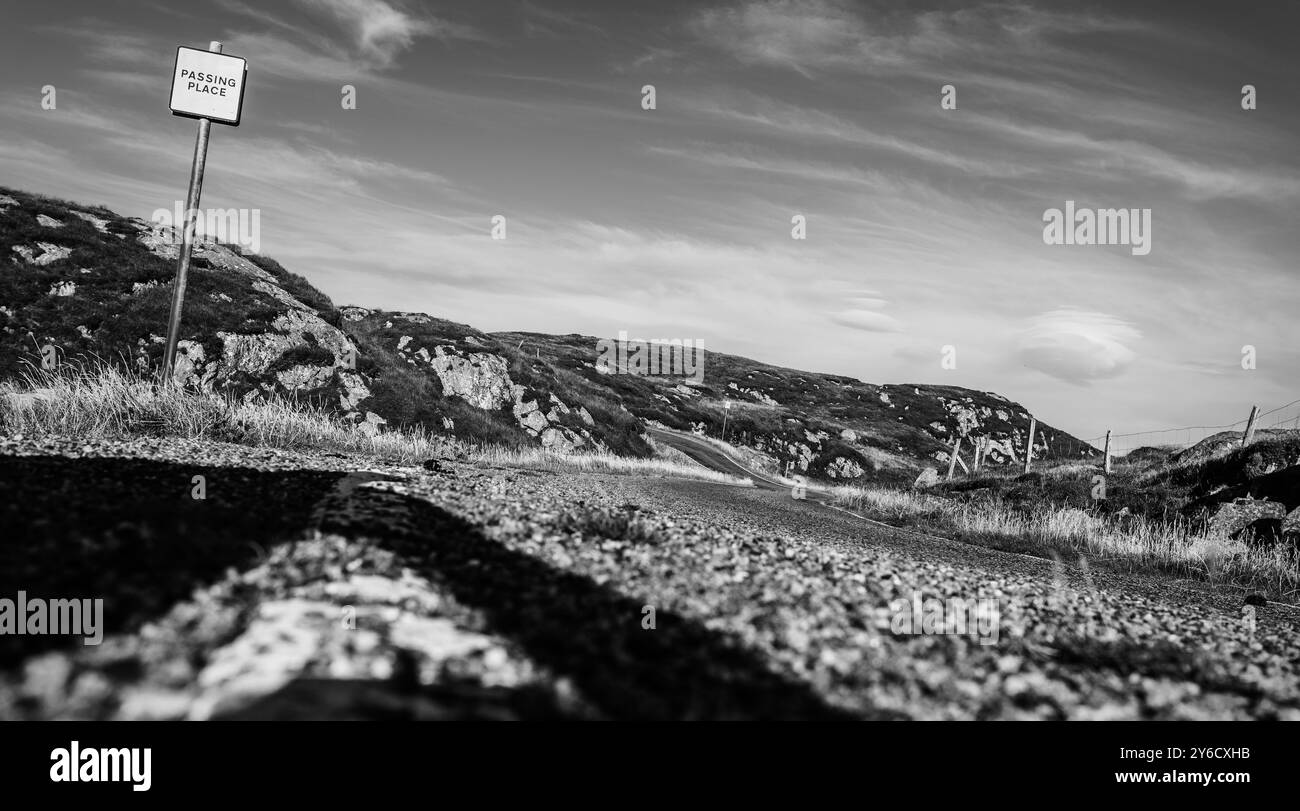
(208, 89)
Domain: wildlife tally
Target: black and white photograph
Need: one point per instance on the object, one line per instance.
(721, 360)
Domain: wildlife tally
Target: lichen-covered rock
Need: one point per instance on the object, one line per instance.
(164, 241)
(1233, 517)
(481, 379)
(192, 369)
(352, 390)
(1291, 524)
(45, 253)
(100, 224)
(928, 478)
(844, 468)
(560, 440)
(535, 421)
(371, 425)
(521, 406)
(252, 355)
(304, 377)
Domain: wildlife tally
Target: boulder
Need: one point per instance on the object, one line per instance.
(191, 368)
(1291, 524)
(560, 440)
(1238, 514)
(928, 478)
(535, 421)
(371, 425)
(843, 468)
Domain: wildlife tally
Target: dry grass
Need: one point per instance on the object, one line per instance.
(542, 459)
(104, 402)
(1134, 543)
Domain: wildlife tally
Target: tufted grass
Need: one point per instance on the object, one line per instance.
(1131, 543)
(102, 401)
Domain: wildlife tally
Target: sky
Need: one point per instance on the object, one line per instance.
(924, 225)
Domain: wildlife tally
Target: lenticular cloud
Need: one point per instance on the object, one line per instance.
(1077, 345)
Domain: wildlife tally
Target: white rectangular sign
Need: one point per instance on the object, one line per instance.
(208, 85)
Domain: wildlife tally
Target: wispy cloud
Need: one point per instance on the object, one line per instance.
(765, 114)
(1198, 179)
(811, 35)
(765, 163)
(380, 31)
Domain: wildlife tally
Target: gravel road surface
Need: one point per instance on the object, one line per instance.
(307, 585)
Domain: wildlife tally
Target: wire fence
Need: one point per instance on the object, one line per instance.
(1284, 417)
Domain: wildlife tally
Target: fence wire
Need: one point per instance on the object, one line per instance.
(1284, 417)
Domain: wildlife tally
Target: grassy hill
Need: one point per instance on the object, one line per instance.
(82, 282)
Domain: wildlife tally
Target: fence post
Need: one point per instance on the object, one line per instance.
(1107, 465)
(952, 461)
(1250, 427)
(979, 446)
(1029, 446)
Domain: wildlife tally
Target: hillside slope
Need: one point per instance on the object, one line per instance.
(82, 282)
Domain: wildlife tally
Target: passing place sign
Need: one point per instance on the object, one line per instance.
(208, 85)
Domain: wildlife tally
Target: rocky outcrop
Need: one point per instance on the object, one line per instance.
(164, 241)
(257, 359)
(98, 223)
(254, 355)
(44, 253)
(480, 379)
(546, 425)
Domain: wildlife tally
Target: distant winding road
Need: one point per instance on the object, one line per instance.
(712, 458)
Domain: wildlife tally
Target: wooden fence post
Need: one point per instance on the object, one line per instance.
(1107, 465)
(1029, 446)
(979, 446)
(952, 461)
(1249, 433)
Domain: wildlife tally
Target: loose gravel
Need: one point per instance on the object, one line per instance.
(335, 586)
